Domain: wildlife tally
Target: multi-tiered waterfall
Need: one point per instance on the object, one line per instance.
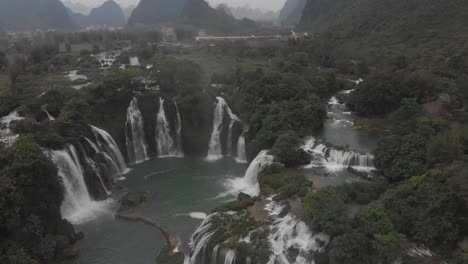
(287, 233)
(215, 151)
(165, 144)
(108, 145)
(135, 134)
(77, 206)
(88, 169)
(334, 159)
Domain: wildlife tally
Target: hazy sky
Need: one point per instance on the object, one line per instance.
(264, 4)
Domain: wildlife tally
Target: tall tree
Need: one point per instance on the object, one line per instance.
(16, 67)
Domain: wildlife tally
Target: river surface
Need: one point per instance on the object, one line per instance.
(184, 189)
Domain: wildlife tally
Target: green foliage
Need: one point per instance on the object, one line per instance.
(326, 209)
(30, 198)
(427, 210)
(235, 205)
(448, 146)
(283, 182)
(43, 134)
(352, 248)
(401, 157)
(288, 152)
(301, 116)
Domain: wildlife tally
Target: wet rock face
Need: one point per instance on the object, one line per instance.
(243, 197)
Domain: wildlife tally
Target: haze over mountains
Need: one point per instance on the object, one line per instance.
(109, 13)
(291, 13)
(33, 14)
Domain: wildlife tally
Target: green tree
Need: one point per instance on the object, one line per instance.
(326, 209)
(287, 150)
(16, 67)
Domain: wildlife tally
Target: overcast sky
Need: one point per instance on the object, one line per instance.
(264, 4)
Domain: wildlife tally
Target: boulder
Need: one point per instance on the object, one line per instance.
(243, 197)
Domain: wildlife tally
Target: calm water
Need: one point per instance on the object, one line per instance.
(180, 187)
(339, 130)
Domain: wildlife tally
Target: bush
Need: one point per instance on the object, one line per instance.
(287, 151)
(326, 209)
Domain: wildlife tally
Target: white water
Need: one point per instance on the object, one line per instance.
(49, 116)
(229, 139)
(230, 257)
(135, 134)
(215, 148)
(198, 215)
(249, 184)
(73, 75)
(164, 142)
(241, 154)
(109, 148)
(77, 206)
(180, 152)
(107, 59)
(199, 241)
(336, 160)
(288, 233)
(7, 137)
(134, 61)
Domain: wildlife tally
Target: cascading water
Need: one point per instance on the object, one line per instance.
(180, 151)
(199, 242)
(77, 206)
(229, 139)
(335, 160)
(164, 142)
(108, 146)
(288, 232)
(241, 154)
(7, 137)
(215, 149)
(135, 134)
(249, 184)
(49, 116)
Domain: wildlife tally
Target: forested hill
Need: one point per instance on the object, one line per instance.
(200, 14)
(150, 12)
(109, 13)
(292, 11)
(34, 14)
(410, 23)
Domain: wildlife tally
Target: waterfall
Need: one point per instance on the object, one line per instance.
(77, 206)
(180, 151)
(335, 160)
(249, 184)
(230, 257)
(241, 154)
(135, 134)
(288, 232)
(98, 174)
(49, 116)
(165, 143)
(7, 137)
(214, 256)
(199, 242)
(229, 139)
(215, 149)
(109, 148)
